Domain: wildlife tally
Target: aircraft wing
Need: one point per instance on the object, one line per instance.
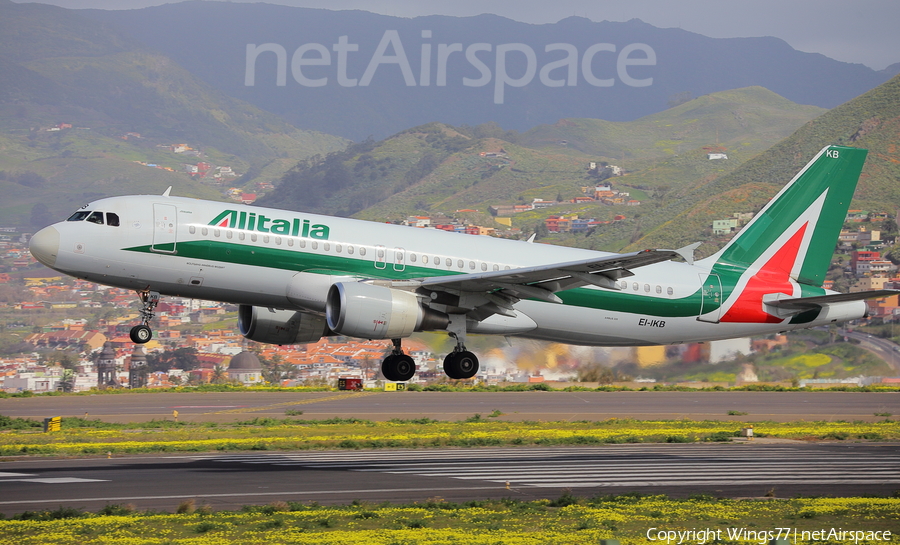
(483, 294)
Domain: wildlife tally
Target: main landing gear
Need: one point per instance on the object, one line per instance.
(142, 333)
(460, 364)
(398, 367)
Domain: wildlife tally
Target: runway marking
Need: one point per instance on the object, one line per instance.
(727, 465)
(207, 406)
(55, 480)
(293, 403)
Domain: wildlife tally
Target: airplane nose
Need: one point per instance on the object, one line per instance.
(44, 246)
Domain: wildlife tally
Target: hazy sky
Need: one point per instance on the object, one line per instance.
(861, 31)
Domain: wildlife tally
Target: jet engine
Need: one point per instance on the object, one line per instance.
(275, 326)
(368, 311)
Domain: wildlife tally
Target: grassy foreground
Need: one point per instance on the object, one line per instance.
(630, 518)
(80, 436)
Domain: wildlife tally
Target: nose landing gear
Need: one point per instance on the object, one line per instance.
(142, 333)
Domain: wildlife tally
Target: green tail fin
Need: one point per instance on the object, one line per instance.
(807, 213)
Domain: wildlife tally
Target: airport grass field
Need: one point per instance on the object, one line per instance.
(78, 436)
(630, 518)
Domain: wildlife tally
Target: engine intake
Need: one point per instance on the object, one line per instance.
(367, 311)
(275, 326)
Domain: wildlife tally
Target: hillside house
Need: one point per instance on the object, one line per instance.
(724, 227)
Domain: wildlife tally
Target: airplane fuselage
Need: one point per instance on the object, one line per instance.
(288, 260)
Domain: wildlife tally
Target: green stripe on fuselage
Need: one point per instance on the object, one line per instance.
(276, 258)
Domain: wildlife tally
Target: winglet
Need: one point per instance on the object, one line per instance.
(166, 192)
(687, 252)
(531, 238)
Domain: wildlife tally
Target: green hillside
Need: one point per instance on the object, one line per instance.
(437, 169)
(81, 106)
(751, 117)
(871, 121)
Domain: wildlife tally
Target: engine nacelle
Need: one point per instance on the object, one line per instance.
(275, 326)
(367, 311)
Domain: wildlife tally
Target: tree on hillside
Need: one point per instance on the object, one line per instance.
(180, 358)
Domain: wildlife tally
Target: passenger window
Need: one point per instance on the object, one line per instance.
(290, 242)
(636, 286)
(647, 288)
(506, 267)
(658, 289)
(380, 253)
(496, 267)
(412, 257)
(192, 229)
(670, 291)
(216, 233)
(350, 250)
(472, 265)
(79, 216)
(459, 263)
(337, 248)
(229, 233)
(425, 260)
(253, 237)
(241, 236)
(362, 250)
(484, 266)
(204, 231)
(315, 245)
(266, 239)
(326, 246)
(449, 262)
(112, 219)
(302, 243)
(96, 217)
(278, 241)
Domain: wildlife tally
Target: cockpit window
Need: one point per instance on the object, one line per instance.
(112, 219)
(96, 217)
(79, 216)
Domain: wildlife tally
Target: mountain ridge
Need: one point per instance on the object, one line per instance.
(84, 106)
(623, 81)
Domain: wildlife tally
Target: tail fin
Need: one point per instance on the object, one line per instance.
(797, 230)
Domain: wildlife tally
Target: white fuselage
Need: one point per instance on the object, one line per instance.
(166, 244)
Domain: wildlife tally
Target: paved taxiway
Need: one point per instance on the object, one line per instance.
(227, 481)
(535, 405)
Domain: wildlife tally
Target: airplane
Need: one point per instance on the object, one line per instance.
(297, 277)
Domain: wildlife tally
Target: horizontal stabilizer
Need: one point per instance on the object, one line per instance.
(806, 303)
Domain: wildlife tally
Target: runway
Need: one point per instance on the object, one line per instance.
(228, 481)
(534, 405)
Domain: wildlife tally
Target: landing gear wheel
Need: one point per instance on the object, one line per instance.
(140, 334)
(461, 365)
(398, 368)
